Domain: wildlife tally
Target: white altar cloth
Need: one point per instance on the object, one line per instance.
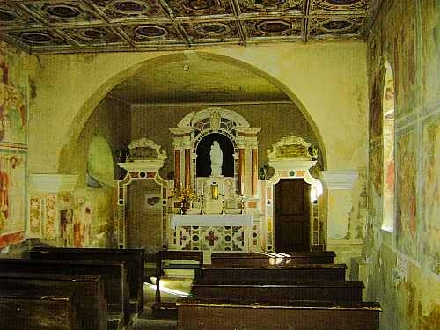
(212, 220)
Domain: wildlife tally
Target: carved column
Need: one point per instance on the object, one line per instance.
(187, 168)
(182, 145)
(254, 171)
(247, 143)
(176, 169)
(241, 171)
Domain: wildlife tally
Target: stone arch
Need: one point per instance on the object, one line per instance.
(91, 104)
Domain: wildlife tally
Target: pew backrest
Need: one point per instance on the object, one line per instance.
(209, 314)
(86, 292)
(223, 259)
(166, 255)
(36, 310)
(113, 273)
(323, 291)
(133, 258)
(287, 274)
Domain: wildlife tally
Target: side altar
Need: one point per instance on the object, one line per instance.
(211, 232)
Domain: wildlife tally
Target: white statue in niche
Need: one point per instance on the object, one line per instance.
(216, 155)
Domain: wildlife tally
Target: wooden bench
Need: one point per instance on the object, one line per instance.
(86, 292)
(162, 263)
(133, 258)
(35, 310)
(150, 262)
(222, 259)
(113, 273)
(210, 314)
(164, 256)
(288, 274)
(325, 291)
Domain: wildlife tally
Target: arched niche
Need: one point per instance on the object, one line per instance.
(202, 150)
(198, 129)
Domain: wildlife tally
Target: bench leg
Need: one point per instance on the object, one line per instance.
(197, 274)
(157, 297)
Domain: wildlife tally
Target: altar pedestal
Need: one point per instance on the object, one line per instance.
(211, 232)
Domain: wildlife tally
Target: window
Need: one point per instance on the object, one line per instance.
(388, 149)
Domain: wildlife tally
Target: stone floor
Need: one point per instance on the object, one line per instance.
(173, 288)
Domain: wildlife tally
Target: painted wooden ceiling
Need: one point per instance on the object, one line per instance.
(72, 26)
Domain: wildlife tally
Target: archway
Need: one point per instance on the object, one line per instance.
(150, 65)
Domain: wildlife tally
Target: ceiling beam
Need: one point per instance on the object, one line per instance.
(115, 29)
(241, 30)
(201, 103)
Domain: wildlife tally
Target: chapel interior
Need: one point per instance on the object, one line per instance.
(297, 141)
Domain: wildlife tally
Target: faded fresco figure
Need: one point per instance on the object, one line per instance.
(216, 155)
(4, 190)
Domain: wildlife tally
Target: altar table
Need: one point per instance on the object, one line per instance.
(211, 232)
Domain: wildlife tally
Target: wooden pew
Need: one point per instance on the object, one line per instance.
(325, 291)
(288, 274)
(159, 308)
(240, 259)
(113, 273)
(150, 262)
(209, 314)
(133, 258)
(35, 310)
(86, 292)
(167, 255)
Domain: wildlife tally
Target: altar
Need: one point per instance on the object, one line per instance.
(211, 232)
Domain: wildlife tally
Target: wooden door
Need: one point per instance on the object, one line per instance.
(292, 216)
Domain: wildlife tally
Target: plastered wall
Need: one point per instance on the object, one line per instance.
(69, 87)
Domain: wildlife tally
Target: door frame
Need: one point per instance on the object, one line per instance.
(317, 230)
(310, 205)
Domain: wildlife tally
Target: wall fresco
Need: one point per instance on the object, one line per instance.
(406, 193)
(431, 50)
(13, 110)
(431, 189)
(376, 105)
(50, 217)
(376, 169)
(35, 216)
(12, 190)
(13, 154)
(405, 58)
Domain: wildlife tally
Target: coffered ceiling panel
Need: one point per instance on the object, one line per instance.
(68, 26)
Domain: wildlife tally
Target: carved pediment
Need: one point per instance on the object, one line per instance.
(292, 147)
(145, 149)
(292, 153)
